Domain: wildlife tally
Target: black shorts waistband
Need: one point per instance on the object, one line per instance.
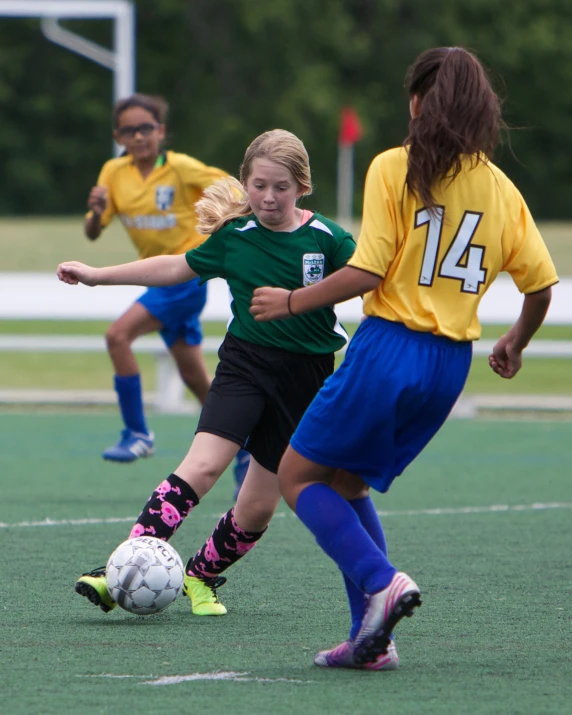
(271, 351)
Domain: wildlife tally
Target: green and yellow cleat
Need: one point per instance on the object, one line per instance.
(93, 586)
(203, 596)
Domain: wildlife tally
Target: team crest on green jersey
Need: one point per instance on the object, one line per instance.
(313, 268)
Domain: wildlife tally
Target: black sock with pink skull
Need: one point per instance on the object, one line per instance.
(164, 512)
(227, 544)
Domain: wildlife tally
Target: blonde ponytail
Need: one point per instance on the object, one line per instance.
(223, 201)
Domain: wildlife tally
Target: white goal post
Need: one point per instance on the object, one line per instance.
(120, 60)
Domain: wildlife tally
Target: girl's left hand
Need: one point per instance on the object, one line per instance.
(74, 272)
(270, 304)
(505, 359)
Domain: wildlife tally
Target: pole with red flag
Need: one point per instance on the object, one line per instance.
(350, 132)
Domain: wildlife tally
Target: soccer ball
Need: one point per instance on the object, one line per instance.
(144, 575)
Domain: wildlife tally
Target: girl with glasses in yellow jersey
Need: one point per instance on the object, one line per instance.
(440, 221)
(267, 374)
(153, 192)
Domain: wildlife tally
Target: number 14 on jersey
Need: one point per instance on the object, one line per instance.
(463, 261)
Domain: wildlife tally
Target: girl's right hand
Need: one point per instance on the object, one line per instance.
(74, 272)
(97, 200)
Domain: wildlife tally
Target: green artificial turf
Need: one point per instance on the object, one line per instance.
(481, 521)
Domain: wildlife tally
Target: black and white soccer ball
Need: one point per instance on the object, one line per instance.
(144, 575)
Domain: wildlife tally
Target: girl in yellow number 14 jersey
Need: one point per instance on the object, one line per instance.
(440, 221)
(153, 192)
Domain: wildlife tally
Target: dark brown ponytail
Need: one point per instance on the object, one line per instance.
(460, 114)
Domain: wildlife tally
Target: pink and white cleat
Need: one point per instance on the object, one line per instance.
(342, 656)
(383, 612)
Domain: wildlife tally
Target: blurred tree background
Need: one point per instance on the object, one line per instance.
(234, 68)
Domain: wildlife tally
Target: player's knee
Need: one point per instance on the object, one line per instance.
(200, 473)
(116, 339)
(349, 485)
(289, 488)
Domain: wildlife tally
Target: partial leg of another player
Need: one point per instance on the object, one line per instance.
(136, 439)
(308, 489)
(236, 533)
(192, 368)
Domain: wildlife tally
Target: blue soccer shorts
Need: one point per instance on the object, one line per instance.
(392, 393)
(178, 308)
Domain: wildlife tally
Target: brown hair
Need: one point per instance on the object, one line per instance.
(460, 115)
(156, 106)
(226, 199)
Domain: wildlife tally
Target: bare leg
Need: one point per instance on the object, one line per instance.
(206, 460)
(134, 323)
(296, 473)
(192, 368)
(258, 498)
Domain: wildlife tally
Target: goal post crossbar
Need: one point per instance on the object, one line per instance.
(120, 60)
(66, 8)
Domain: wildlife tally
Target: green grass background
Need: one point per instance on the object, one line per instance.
(492, 636)
(40, 244)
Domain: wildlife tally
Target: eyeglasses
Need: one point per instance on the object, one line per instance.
(128, 132)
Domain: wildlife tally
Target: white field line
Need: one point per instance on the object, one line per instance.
(444, 511)
(217, 675)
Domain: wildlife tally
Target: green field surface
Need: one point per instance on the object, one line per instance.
(479, 521)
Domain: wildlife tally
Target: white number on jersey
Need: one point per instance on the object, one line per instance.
(463, 261)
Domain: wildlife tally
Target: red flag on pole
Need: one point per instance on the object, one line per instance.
(350, 127)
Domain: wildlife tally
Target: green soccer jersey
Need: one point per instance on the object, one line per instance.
(249, 256)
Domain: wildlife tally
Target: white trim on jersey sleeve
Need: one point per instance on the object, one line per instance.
(249, 225)
(320, 226)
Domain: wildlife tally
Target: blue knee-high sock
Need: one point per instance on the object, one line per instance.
(369, 519)
(130, 396)
(338, 531)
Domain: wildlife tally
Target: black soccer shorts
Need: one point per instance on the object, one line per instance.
(259, 395)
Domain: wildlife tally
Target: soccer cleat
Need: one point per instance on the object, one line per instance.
(383, 612)
(203, 596)
(130, 447)
(241, 462)
(343, 657)
(93, 586)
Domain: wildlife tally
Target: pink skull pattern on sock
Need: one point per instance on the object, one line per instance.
(227, 544)
(166, 509)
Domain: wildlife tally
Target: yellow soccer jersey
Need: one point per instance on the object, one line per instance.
(436, 269)
(159, 211)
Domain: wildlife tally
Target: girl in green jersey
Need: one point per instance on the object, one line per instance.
(267, 374)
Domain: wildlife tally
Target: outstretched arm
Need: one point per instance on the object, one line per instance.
(156, 271)
(506, 358)
(277, 303)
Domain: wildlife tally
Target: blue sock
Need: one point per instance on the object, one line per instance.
(369, 519)
(338, 531)
(130, 396)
